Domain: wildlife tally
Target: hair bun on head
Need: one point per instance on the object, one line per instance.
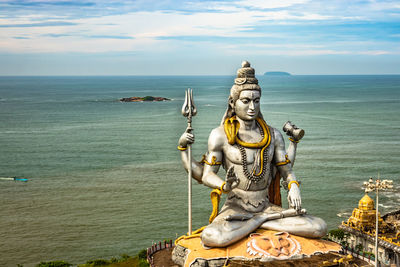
(246, 80)
(246, 74)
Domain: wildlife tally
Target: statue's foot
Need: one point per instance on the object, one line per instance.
(222, 233)
(304, 225)
(239, 217)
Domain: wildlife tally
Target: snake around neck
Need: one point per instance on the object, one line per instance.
(231, 127)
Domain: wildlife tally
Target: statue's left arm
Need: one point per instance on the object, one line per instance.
(285, 169)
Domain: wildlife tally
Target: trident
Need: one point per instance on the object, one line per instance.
(189, 110)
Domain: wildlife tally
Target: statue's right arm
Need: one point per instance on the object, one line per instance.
(197, 168)
(214, 159)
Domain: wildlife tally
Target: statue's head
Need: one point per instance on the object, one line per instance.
(247, 106)
(245, 88)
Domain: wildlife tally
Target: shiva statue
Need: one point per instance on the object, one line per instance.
(254, 156)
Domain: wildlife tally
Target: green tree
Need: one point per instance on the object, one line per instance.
(54, 264)
(148, 98)
(338, 233)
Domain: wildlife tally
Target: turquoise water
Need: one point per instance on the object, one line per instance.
(106, 178)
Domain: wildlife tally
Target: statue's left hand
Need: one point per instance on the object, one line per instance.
(231, 181)
(294, 197)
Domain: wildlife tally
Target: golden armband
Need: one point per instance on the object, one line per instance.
(283, 162)
(213, 161)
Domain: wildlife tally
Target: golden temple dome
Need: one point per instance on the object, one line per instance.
(366, 203)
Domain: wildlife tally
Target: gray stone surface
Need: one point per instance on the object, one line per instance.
(179, 255)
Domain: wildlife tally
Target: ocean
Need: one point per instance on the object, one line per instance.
(105, 177)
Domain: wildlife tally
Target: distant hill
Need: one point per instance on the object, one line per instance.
(277, 73)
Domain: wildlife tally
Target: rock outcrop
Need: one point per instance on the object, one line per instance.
(142, 99)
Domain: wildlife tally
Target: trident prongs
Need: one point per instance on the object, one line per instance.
(189, 109)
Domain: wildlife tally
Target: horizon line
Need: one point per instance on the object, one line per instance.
(185, 75)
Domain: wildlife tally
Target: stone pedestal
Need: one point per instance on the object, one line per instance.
(261, 246)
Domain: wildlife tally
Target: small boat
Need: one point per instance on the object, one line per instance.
(13, 179)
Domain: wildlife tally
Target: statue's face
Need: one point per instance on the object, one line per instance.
(247, 106)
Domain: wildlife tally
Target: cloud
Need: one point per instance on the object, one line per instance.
(315, 52)
(39, 24)
(291, 27)
(220, 39)
(271, 4)
(109, 37)
(56, 35)
(25, 3)
(375, 53)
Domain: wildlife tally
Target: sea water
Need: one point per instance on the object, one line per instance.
(106, 177)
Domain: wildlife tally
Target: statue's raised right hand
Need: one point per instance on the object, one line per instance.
(231, 181)
(185, 139)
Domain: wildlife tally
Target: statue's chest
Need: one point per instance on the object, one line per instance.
(235, 155)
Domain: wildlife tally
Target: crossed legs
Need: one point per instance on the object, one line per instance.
(222, 232)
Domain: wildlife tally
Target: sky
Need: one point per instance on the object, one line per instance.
(165, 37)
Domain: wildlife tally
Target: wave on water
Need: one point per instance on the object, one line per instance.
(338, 101)
(386, 206)
(147, 165)
(62, 128)
(343, 214)
(157, 115)
(20, 132)
(104, 100)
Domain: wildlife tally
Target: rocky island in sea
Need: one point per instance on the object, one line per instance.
(142, 99)
(277, 73)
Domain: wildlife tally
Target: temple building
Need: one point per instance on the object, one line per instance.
(360, 229)
(363, 217)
